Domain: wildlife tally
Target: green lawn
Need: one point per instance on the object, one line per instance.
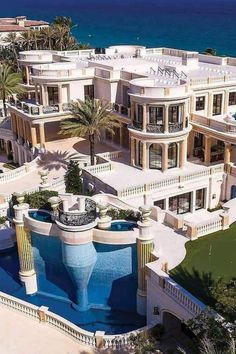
(207, 259)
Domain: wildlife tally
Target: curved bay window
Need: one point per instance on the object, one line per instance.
(155, 156)
(172, 155)
(156, 116)
(176, 115)
(138, 118)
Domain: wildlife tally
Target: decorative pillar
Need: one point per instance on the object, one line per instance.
(144, 117)
(227, 153)
(44, 181)
(226, 102)
(104, 221)
(60, 94)
(210, 104)
(54, 202)
(144, 162)
(33, 136)
(164, 162)
(24, 246)
(207, 151)
(42, 134)
(132, 111)
(182, 153)
(27, 75)
(166, 119)
(145, 246)
(190, 144)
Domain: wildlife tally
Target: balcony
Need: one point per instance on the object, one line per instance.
(155, 128)
(175, 127)
(121, 109)
(137, 125)
(33, 109)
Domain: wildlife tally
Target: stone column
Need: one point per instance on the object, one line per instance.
(33, 135)
(227, 153)
(207, 151)
(36, 94)
(60, 94)
(182, 153)
(132, 111)
(24, 246)
(27, 74)
(42, 134)
(144, 117)
(145, 246)
(226, 102)
(144, 162)
(166, 119)
(190, 144)
(210, 104)
(165, 157)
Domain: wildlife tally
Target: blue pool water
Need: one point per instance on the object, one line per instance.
(111, 289)
(40, 215)
(122, 226)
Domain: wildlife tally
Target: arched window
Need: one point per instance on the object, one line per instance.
(155, 156)
(172, 155)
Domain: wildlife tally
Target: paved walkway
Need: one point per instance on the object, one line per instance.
(21, 335)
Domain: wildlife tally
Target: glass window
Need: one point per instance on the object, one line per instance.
(160, 203)
(176, 114)
(139, 113)
(139, 153)
(155, 115)
(126, 97)
(217, 104)
(200, 103)
(200, 198)
(180, 204)
(232, 98)
(172, 155)
(89, 91)
(155, 156)
(52, 95)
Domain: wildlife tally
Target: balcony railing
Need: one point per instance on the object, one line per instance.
(175, 127)
(137, 125)
(155, 128)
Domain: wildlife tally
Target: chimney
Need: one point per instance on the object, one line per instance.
(190, 59)
(20, 21)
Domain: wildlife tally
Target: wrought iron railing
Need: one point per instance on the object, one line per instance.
(175, 127)
(155, 128)
(79, 218)
(137, 125)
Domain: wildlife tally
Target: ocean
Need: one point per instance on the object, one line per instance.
(185, 24)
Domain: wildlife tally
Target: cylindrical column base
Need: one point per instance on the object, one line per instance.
(30, 281)
(141, 303)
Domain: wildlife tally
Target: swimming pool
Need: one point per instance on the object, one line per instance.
(122, 226)
(40, 215)
(112, 306)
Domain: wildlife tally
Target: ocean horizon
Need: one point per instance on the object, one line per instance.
(185, 24)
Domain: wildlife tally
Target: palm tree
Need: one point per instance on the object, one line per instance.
(12, 39)
(9, 84)
(90, 117)
(26, 39)
(64, 21)
(47, 36)
(210, 51)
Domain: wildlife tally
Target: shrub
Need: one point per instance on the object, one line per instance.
(143, 343)
(37, 200)
(157, 331)
(3, 219)
(72, 178)
(120, 214)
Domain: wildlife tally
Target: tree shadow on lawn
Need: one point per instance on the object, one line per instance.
(197, 283)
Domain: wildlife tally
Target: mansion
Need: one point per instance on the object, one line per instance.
(176, 145)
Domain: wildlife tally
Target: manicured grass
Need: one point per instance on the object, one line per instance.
(207, 259)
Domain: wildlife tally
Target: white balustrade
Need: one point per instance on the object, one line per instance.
(209, 227)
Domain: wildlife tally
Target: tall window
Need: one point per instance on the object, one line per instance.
(126, 97)
(89, 91)
(180, 204)
(176, 114)
(139, 153)
(232, 98)
(138, 119)
(155, 115)
(172, 155)
(217, 104)
(200, 197)
(52, 95)
(200, 103)
(155, 156)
